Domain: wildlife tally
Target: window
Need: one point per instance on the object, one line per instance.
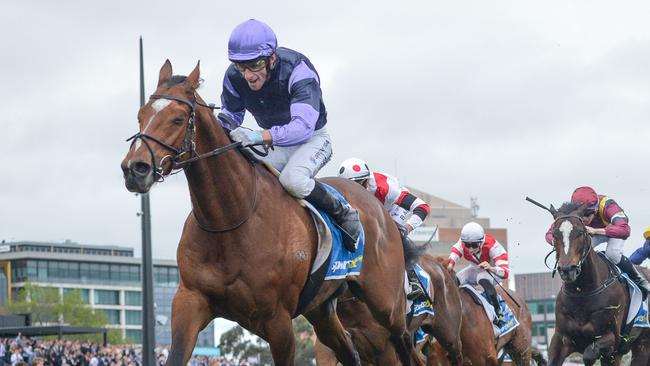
(84, 293)
(107, 297)
(134, 335)
(113, 316)
(133, 298)
(133, 317)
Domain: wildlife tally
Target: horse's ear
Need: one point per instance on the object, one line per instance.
(581, 210)
(165, 73)
(554, 212)
(194, 79)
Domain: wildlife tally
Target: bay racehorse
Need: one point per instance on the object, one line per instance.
(591, 307)
(372, 340)
(247, 246)
(480, 346)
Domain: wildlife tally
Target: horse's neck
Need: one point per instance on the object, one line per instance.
(220, 186)
(594, 272)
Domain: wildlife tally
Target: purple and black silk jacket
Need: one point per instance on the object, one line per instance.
(290, 103)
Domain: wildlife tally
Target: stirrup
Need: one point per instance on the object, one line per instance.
(415, 295)
(416, 292)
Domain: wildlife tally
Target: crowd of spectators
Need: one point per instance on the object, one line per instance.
(24, 351)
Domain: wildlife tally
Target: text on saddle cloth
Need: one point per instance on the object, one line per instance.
(342, 262)
(420, 307)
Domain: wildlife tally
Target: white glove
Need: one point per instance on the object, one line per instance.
(246, 137)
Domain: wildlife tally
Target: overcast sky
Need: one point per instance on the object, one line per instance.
(494, 99)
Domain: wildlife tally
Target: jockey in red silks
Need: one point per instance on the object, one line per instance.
(484, 254)
(606, 222)
(407, 210)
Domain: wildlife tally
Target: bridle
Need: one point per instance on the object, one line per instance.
(585, 237)
(188, 147)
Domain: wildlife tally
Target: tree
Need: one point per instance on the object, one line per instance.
(234, 342)
(47, 307)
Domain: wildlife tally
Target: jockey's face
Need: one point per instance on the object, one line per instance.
(588, 217)
(473, 247)
(256, 73)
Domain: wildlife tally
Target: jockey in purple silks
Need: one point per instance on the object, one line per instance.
(281, 89)
(606, 222)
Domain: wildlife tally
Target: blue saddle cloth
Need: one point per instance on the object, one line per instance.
(509, 322)
(423, 306)
(343, 263)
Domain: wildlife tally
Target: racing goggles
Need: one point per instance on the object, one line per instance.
(472, 244)
(253, 66)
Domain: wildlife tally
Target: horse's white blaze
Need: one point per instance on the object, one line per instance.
(566, 229)
(158, 105)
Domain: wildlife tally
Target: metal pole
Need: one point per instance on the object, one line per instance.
(148, 335)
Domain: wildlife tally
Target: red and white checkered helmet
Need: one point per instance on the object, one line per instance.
(354, 169)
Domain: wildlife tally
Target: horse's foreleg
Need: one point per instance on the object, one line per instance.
(447, 333)
(278, 331)
(329, 330)
(388, 309)
(641, 350)
(560, 348)
(324, 355)
(190, 314)
(603, 348)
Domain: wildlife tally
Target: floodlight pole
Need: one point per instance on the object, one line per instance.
(148, 331)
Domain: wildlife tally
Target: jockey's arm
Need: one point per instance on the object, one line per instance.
(618, 227)
(231, 104)
(549, 234)
(454, 256)
(415, 206)
(499, 256)
(305, 93)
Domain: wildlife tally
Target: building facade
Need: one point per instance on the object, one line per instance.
(540, 290)
(450, 218)
(108, 279)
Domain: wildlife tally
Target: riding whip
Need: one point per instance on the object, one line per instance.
(538, 204)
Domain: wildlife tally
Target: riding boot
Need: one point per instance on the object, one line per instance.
(417, 292)
(491, 293)
(626, 266)
(346, 217)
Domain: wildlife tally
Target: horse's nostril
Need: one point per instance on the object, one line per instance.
(141, 168)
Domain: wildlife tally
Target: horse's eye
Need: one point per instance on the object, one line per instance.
(179, 120)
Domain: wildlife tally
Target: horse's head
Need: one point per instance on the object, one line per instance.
(166, 130)
(571, 240)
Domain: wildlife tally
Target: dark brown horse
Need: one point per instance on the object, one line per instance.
(372, 340)
(247, 246)
(480, 347)
(592, 305)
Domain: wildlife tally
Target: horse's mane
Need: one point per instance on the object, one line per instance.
(569, 207)
(441, 259)
(412, 251)
(175, 80)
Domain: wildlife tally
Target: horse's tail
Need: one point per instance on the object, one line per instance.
(537, 356)
(412, 251)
